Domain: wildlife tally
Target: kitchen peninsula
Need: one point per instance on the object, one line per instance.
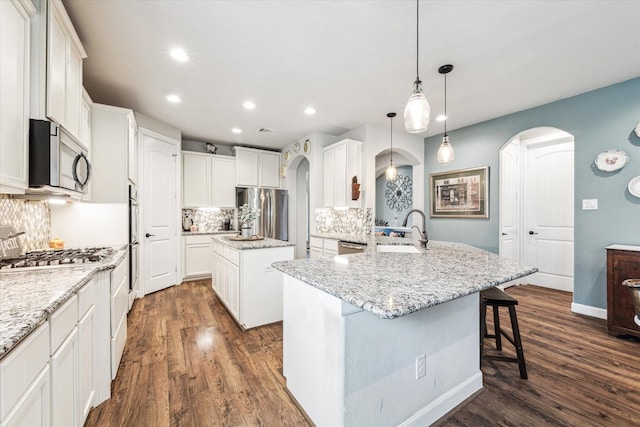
(387, 338)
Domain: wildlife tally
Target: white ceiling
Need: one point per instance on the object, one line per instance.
(354, 61)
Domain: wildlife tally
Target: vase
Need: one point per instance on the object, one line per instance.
(246, 232)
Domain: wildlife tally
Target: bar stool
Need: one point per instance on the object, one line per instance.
(496, 298)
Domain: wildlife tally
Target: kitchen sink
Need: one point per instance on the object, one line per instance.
(398, 248)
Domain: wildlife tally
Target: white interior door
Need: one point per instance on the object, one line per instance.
(510, 204)
(548, 212)
(160, 213)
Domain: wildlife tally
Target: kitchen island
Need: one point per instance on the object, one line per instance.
(387, 338)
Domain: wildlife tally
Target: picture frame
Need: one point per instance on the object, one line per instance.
(462, 193)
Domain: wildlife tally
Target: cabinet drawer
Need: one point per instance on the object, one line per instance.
(315, 242)
(62, 321)
(87, 297)
(19, 369)
(198, 239)
(117, 345)
(119, 305)
(118, 275)
(331, 245)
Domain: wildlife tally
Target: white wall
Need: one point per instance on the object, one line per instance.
(87, 224)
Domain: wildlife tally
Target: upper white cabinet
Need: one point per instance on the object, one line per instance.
(56, 67)
(342, 161)
(113, 130)
(132, 155)
(208, 180)
(14, 90)
(257, 168)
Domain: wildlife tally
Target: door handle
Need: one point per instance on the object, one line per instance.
(149, 235)
(532, 232)
(504, 234)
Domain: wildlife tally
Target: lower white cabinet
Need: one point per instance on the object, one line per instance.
(87, 333)
(322, 248)
(119, 307)
(246, 283)
(64, 382)
(196, 257)
(33, 408)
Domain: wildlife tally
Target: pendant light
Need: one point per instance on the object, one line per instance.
(391, 173)
(416, 113)
(445, 152)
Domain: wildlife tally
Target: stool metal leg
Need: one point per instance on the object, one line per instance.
(518, 342)
(496, 327)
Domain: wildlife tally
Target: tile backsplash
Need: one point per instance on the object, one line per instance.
(207, 219)
(352, 220)
(32, 217)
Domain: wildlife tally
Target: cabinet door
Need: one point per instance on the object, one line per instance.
(340, 176)
(197, 260)
(328, 178)
(196, 181)
(86, 333)
(14, 87)
(234, 291)
(64, 382)
(269, 170)
(73, 96)
(215, 272)
(246, 168)
(56, 67)
(223, 183)
(132, 150)
(33, 409)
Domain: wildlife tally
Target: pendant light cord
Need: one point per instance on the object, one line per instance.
(445, 105)
(417, 38)
(391, 133)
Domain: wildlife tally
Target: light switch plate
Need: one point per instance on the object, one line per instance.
(589, 204)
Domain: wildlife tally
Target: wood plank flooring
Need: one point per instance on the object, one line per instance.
(186, 363)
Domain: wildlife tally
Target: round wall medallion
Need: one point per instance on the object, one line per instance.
(286, 155)
(296, 147)
(637, 130)
(306, 147)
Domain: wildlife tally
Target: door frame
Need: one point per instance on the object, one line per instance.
(297, 232)
(142, 132)
(525, 140)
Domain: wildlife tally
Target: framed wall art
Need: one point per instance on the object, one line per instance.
(460, 193)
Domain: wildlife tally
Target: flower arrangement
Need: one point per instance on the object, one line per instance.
(248, 215)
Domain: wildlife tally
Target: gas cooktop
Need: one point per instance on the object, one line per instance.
(57, 257)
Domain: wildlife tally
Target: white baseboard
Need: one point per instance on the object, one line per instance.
(435, 410)
(587, 310)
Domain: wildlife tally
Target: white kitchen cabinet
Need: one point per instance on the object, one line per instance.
(246, 283)
(33, 408)
(132, 152)
(112, 130)
(119, 307)
(64, 382)
(257, 168)
(342, 161)
(208, 181)
(14, 87)
(64, 55)
(87, 334)
(322, 248)
(196, 256)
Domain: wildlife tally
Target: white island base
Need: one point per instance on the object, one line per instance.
(349, 367)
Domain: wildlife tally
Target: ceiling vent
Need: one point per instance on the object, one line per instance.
(266, 130)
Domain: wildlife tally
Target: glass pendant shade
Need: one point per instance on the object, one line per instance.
(391, 174)
(417, 112)
(445, 152)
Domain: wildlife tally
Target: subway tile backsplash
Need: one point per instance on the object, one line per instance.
(32, 217)
(351, 221)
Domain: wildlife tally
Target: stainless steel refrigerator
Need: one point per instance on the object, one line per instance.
(273, 204)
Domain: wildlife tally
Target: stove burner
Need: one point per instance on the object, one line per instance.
(57, 257)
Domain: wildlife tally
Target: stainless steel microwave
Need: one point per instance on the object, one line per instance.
(56, 160)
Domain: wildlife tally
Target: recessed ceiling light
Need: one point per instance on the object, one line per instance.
(310, 111)
(173, 98)
(441, 118)
(249, 105)
(179, 55)
(236, 130)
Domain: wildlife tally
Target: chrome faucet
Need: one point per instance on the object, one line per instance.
(424, 239)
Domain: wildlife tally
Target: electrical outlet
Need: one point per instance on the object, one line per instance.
(421, 366)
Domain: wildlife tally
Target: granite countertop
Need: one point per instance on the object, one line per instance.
(391, 284)
(29, 296)
(197, 233)
(242, 245)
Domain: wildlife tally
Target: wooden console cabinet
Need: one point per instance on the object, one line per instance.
(623, 262)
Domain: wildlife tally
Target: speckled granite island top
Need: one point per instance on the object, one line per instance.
(29, 296)
(265, 243)
(391, 284)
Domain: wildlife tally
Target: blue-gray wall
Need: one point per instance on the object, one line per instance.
(383, 211)
(599, 120)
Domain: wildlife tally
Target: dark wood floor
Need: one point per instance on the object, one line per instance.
(186, 363)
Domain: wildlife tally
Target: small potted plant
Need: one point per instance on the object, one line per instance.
(247, 216)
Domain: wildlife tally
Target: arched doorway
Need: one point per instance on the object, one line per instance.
(299, 211)
(537, 204)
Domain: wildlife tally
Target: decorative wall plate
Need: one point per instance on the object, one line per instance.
(611, 160)
(634, 186)
(286, 155)
(296, 147)
(637, 130)
(306, 147)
